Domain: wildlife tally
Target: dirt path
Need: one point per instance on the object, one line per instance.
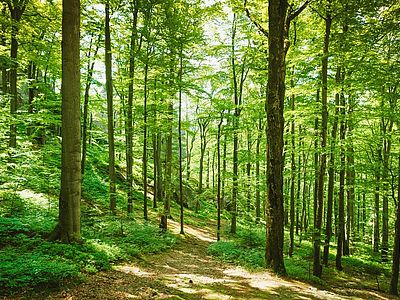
(187, 272)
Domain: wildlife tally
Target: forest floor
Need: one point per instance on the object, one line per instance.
(187, 272)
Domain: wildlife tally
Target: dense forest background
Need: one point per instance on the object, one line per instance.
(277, 123)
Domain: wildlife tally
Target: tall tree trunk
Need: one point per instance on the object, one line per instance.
(129, 126)
(168, 172)
(292, 178)
(155, 152)
(387, 143)
(331, 174)
(16, 8)
(350, 179)
(237, 95)
(110, 110)
(180, 139)
(219, 178)
(376, 206)
(258, 187)
(396, 246)
(277, 10)
(203, 128)
(4, 72)
(144, 159)
(68, 229)
(341, 216)
(90, 67)
(317, 268)
(248, 172)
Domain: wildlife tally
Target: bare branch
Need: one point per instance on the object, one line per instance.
(298, 11)
(259, 27)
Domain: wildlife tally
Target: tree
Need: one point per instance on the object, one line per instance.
(278, 45)
(68, 228)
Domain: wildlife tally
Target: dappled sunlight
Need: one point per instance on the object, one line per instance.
(201, 234)
(38, 199)
(133, 270)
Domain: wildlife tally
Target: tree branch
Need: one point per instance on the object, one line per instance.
(259, 27)
(298, 11)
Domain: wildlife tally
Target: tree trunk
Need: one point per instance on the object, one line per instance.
(396, 247)
(292, 178)
(68, 229)
(89, 76)
(376, 208)
(180, 140)
(219, 179)
(258, 198)
(168, 173)
(350, 179)
(387, 143)
(248, 172)
(16, 8)
(277, 10)
(341, 223)
(317, 269)
(129, 126)
(110, 110)
(144, 159)
(331, 174)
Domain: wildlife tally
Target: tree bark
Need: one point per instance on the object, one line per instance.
(89, 76)
(292, 179)
(68, 229)
(129, 126)
(396, 246)
(277, 11)
(331, 174)
(17, 9)
(341, 216)
(110, 110)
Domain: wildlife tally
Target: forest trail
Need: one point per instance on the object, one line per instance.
(188, 272)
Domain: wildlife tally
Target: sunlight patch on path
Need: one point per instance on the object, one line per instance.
(201, 234)
(133, 270)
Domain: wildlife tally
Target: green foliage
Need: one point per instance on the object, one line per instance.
(33, 269)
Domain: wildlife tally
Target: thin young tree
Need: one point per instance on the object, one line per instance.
(110, 109)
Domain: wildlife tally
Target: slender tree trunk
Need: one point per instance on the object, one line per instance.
(16, 8)
(331, 174)
(376, 208)
(4, 72)
(144, 160)
(258, 187)
(350, 179)
(219, 179)
(89, 76)
(68, 229)
(387, 143)
(396, 247)
(224, 157)
(237, 93)
(203, 128)
(155, 152)
(180, 140)
(317, 269)
(341, 216)
(168, 173)
(129, 126)
(292, 179)
(248, 172)
(110, 110)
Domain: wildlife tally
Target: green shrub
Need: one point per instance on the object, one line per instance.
(33, 269)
